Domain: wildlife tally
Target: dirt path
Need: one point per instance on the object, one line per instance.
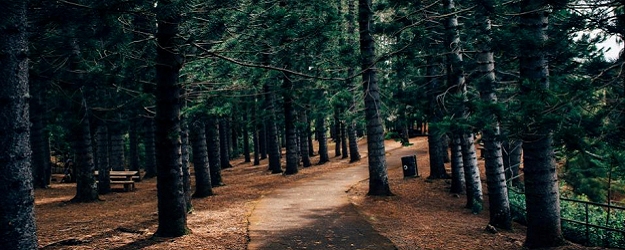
(316, 213)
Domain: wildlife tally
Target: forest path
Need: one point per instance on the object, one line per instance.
(315, 213)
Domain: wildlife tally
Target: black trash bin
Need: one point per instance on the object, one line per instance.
(409, 164)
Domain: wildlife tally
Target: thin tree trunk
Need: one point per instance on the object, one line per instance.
(378, 177)
(303, 147)
(457, 169)
(321, 137)
(133, 151)
(337, 133)
(104, 181)
(254, 126)
(311, 149)
(150, 151)
(512, 154)
(117, 148)
(235, 138)
(246, 140)
(38, 139)
(542, 197)
(344, 145)
(437, 165)
(224, 154)
(262, 139)
(354, 155)
(471, 174)
(172, 208)
(292, 159)
(273, 146)
(213, 147)
(17, 217)
(444, 148)
(186, 171)
(499, 205)
(203, 186)
(86, 188)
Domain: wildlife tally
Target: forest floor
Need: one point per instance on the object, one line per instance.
(421, 215)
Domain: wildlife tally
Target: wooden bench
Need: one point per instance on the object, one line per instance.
(128, 185)
(125, 178)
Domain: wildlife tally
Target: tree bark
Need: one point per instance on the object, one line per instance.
(186, 172)
(213, 147)
(273, 146)
(224, 149)
(458, 182)
(378, 177)
(246, 140)
(17, 217)
(203, 186)
(337, 133)
(292, 159)
(311, 149)
(104, 180)
(542, 197)
(471, 174)
(321, 137)
(511, 154)
(499, 205)
(133, 150)
(303, 147)
(172, 208)
(39, 138)
(150, 151)
(437, 166)
(117, 148)
(344, 145)
(235, 138)
(86, 188)
(262, 139)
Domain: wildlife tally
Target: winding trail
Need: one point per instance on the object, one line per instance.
(315, 213)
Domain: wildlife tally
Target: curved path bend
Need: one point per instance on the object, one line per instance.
(315, 213)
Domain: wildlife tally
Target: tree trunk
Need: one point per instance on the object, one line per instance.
(86, 188)
(203, 186)
(133, 150)
(186, 171)
(117, 148)
(512, 153)
(323, 142)
(457, 169)
(337, 133)
(303, 147)
(104, 180)
(273, 146)
(224, 151)
(292, 159)
(354, 155)
(262, 139)
(246, 140)
(444, 148)
(234, 134)
(344, 145)
(213, 147)
(437, 165)
(38, 138)
(499, 205)
(17, 218)
(471, 174)
(150, 151)
(378, 177)
(172, 208)
(311, 149)
(542, 197)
